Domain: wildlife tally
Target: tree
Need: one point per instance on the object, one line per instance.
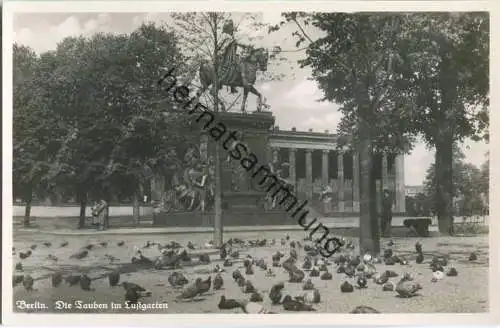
(468, 191)
(357, 65)
(35, 131)
(106, 95)
(447, 57)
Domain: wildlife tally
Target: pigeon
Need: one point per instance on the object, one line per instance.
(28, 282)
(312, 296)
(296, 275)
(418, 247)
(120, 243)
(275, 293)
(73, 279)
(248, 287)
(56, 279)
(227, 263)
(308, 285)
(452, 272)
(293, 305)
(314, 273)
(17, 279)
(406, 288)
(23, 256)
(390, 243)
(364, 309)
(240, 282)
(204, 259)
(33, 247)
(326, 276)
(204, 286)
(114, 278)
(191, 291)
(80, 254)
(256, 297)
(346, 287)
(64, 244)
(19, 266)
(307, 265)
(89, 247)
(249, 270)
(85, 282)
(223, 253)
(237, 274)
(362, 282)
(218, 282)
(437, 275)
(473, 257)
(388, 287)
(103, 244)
(228, 304)
(47, 243)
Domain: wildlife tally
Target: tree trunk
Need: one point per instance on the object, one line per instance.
(136, 210)
(82, 199)
(444, 186)
(28, 199)
(369, 231)
(218, 226)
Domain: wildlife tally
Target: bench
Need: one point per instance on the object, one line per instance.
(418, 227)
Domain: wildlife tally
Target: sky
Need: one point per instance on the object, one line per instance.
(293, 100)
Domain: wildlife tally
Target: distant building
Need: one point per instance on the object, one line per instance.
(413, 190)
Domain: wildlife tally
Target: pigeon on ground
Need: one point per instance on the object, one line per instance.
(363, 309)
(72, 280)
(19, 266)
(120, 243)
(346, 287)
(473, 257)
(85, 283)
(17, 279)
(275, 293)
(56, 279)
(114, 278)
(28, 282)
(218, 282)
(80, 254)
(64, 244)
(256, 297)
(452, 272)
(406, 288)
(308, 285)
(293, 305)
(228, 304)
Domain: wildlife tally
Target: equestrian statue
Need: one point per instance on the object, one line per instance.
(235, 71)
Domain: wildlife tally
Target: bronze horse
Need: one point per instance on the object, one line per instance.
(231, 76)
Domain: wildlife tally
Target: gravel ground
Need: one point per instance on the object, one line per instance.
(468, 292)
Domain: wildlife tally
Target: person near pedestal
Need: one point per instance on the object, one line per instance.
(386, 217)
(101, 213)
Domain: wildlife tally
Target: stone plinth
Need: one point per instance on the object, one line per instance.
(242, 201)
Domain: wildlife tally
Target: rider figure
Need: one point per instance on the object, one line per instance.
(231, 52)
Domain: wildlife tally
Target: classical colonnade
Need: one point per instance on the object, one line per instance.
(344, 182)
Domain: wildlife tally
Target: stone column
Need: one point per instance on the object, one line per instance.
(324, 167)
(309, 191)
(385, 173)
(399, 167)
(340, 167)
(355, 182)
(291, 160)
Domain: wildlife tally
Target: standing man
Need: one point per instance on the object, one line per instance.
(101, 211)
(386, 214)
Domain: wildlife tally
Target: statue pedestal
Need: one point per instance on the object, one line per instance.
(242, 203)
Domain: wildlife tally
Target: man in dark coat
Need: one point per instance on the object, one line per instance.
(386, 213)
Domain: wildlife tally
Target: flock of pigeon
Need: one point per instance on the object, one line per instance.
(358, 272)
